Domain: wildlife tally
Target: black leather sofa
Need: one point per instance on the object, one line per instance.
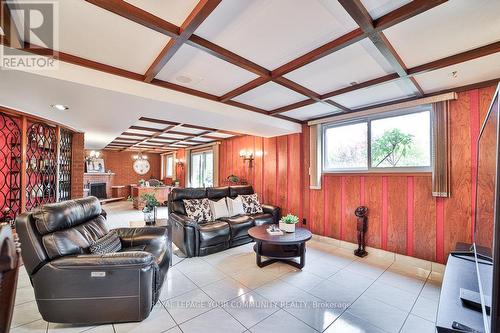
(73, 286)
(200, 239)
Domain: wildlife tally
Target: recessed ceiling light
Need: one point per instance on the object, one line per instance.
(183, 79)
(59, 107)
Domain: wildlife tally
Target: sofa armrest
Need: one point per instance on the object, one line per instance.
(104, 214)
(183, 220)
(142, 236)
(97, 288)
(274, 211)
(106, 261)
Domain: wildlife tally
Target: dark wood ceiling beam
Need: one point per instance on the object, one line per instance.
(468, 87)
(246, 106)
(405, 12)
(147, 129)
(202, 10)
(136, 134)
(360, 15)
(292, 106)
(158, 121)
(337, 105)
(456, 59)
(244, 88)
(137, 15)
(297, 88)
(365, 84)
(320, 52)
(226, 55)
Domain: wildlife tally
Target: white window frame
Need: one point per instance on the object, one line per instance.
(368, 120)
(172, 174)
(207, 150)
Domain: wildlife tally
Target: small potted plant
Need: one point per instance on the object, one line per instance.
(150, 207)
(287, 223)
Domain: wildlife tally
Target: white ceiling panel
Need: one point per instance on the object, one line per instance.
(311, 111)
(373, 95)
(199, 70)
(378, 8)
(173, 11)
(150, 124)
(138, 131)
(273, 32)
(478, 70)
(453, 27)
(190, 130)
(96, 34)
(221, 135)
(270, 96)
(356, 63)
(175, 136)
(204, 139)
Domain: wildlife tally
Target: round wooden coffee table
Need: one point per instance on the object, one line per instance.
(282, 248)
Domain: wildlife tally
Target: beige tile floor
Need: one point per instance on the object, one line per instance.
(227, 292)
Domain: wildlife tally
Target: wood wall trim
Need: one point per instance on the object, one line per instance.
(386, 108)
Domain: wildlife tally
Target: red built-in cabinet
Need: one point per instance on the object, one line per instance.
(35, 163)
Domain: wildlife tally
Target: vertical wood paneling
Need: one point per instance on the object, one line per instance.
(352, 201)
(294, 176)
(457, 208)
(474, 135)
(317, 211)
(383, 229)
(424, 219)
(282, 173)
(485, 98)
(410, 216)
(396, 214)
(440, 216)
(258, 166)
(427, 230)
(373, 193)
(270, 170)
(332, 206)
(305, 175)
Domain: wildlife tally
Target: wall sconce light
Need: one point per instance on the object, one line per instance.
(179, 163)
(247, 156)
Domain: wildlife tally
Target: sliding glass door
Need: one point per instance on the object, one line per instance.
(202, 169)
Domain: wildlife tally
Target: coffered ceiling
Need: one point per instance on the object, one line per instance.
(296, 60)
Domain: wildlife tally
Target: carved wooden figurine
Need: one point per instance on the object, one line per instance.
(362, 226)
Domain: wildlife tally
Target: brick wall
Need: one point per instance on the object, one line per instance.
(77, 165)
(100, 178)
(121, 164)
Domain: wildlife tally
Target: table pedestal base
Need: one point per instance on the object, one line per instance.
(280, 253)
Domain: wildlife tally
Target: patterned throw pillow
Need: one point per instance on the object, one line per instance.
(251, 204)
(198, 209)
(109, 243)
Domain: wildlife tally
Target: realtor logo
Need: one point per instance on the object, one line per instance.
(31, 30)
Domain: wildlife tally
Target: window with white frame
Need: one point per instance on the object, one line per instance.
(169, 166)
(379, 143)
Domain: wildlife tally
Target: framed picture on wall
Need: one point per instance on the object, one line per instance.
(95, 165)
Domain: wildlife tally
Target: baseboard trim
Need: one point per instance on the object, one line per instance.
(384, 255)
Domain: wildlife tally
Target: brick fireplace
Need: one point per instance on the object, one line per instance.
(101, 179)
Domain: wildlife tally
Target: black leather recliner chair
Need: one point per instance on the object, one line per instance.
(73, 286)
(199, 239)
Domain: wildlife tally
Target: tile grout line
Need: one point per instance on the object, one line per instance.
(357, 299)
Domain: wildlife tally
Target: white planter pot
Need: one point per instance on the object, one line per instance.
(287, 227)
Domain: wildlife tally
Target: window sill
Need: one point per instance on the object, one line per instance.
(378, 173)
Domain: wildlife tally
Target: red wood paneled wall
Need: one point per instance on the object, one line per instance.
(403, 216)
